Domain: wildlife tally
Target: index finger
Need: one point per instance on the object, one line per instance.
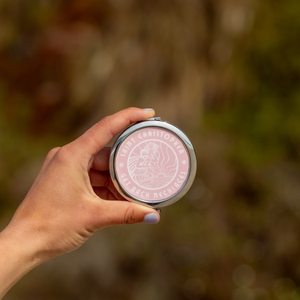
(101, 160)
(97, 137)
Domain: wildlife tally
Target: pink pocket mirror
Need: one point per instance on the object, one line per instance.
(153, 163)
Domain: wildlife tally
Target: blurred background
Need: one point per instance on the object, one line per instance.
(227, 72)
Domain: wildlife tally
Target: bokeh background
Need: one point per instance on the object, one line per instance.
(227, 72)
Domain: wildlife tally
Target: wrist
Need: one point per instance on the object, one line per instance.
(17, 257)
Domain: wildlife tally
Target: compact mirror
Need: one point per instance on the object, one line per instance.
(153, 163)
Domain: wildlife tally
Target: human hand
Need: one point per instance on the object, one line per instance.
(71, 198)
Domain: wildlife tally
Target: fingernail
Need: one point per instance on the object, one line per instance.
(148, 108)
(151, 218)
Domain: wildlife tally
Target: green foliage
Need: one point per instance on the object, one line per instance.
(265, 121)
(66, 64)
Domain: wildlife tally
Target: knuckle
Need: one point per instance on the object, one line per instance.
(52, 153)
(105, 122)
(132, 108)
(129, 217)
(62, 154)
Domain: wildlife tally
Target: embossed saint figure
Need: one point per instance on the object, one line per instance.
(145, 167)
(151, 167)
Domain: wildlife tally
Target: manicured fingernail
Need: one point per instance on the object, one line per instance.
(151, 218)
(148, 108)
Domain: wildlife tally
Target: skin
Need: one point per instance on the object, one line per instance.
(71, 198)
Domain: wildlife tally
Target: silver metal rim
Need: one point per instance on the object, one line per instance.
(154, 122)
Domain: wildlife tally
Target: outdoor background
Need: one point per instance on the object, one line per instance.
(227, 72)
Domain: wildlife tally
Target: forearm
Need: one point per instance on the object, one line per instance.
(17, 257)
(71, 198)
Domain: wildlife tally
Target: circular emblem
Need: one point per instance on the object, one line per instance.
(152, 164)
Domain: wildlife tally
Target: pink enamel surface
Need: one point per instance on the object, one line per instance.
(152, 164)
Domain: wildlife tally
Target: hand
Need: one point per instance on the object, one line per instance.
(71, 198)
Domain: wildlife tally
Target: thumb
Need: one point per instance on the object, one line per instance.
(124, 212)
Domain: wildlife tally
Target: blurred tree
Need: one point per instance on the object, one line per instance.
(227, 73)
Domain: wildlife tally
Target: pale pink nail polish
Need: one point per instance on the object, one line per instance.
(151, 218)
(153, 163)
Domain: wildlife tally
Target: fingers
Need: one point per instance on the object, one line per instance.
(104, 193)
(101, 160)
(99, 178)
(102, 179)
(97, 137)
(124, 212)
